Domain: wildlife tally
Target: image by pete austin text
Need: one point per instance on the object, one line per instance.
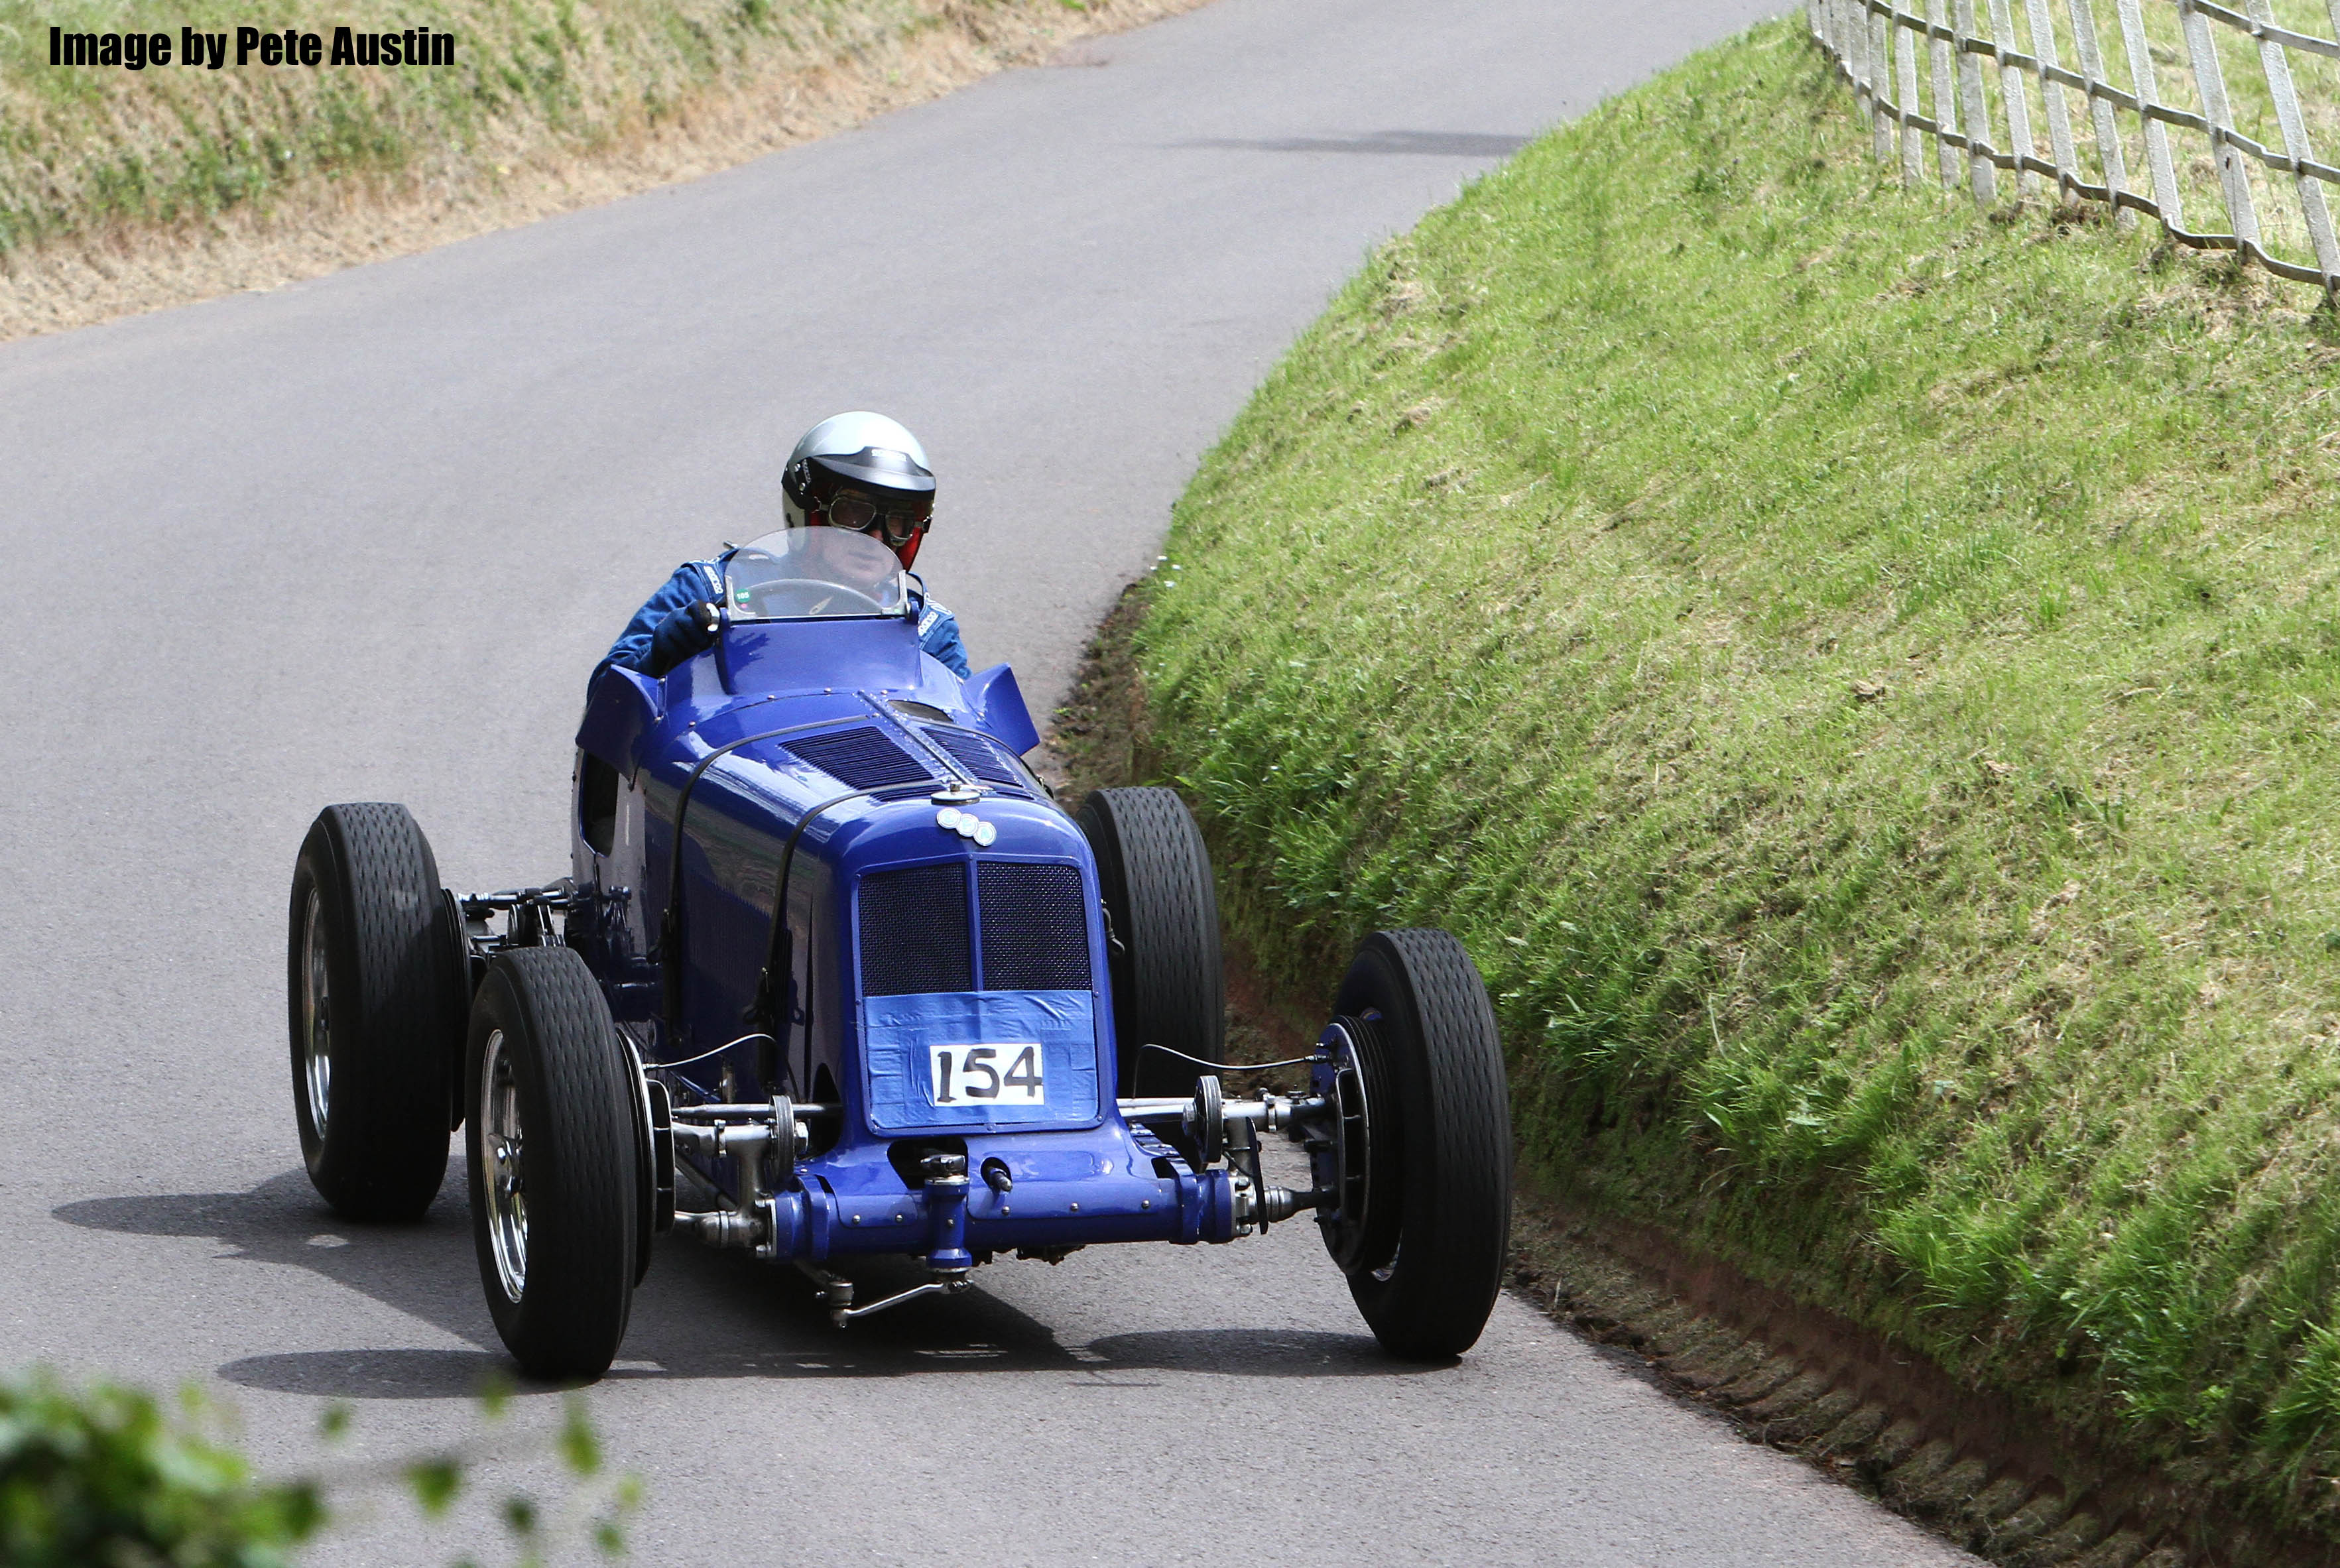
(278, 47)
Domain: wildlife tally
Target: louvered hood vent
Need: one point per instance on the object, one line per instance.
(862, 759)
(979, 755)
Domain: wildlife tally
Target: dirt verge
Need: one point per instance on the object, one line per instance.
(1975, 1467)
(332, 223)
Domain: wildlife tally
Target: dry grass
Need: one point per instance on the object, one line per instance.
(136, 192)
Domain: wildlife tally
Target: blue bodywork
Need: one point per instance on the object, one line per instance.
(809, 753)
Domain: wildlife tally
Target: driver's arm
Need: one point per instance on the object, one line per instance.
(939, 635)
(664, 632)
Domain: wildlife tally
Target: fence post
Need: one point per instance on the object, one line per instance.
(1850, 25)
(1946, 102)
(1982, 175)
(2051, 93)
(2278, 65)
(2016, 95)
(1906, 77)
(2101, 109)
(1880, 70)
(2143, 78)
(2210, 83)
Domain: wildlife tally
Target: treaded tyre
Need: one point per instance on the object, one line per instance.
(1168, 986)
(1427, 1297)
(551, 1143)
(378, 985)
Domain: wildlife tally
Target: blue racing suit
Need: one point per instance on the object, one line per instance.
(660, 637)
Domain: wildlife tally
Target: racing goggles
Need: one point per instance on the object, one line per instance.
(896, 525)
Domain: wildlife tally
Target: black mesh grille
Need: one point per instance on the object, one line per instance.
(979, 755)
(862, 758)
(1035, 932)
(914, 936)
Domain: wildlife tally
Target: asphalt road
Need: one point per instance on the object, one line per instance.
(363, 537)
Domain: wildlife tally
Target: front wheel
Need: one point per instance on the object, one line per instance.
(551, 1145)
(1162, 912)
(1421, 1161)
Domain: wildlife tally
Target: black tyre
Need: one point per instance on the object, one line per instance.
(378, 985)
(551, 1145)
(1168, 986)
(1427, 1285)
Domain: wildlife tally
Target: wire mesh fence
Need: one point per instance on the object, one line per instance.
(2024, 88)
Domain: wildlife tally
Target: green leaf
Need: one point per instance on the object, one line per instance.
(298, 1509)
(520, 1514)
(103, 1474)
(581, 1446)
(495, 1393)
(435, 1482)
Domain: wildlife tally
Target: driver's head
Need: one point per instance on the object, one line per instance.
(863, 472)
(838, 557)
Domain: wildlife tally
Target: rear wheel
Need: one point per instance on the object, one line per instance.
(378, 986)
(1168, 984)
(552, 1148)
(1427, 1236)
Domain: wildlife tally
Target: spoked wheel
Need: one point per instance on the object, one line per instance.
(1416, 1144)
(555, 1162)
(377, 983)
(1168, 987)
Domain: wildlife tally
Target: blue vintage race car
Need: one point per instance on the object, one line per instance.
(832, 954)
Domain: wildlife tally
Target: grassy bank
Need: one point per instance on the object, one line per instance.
(1863, 680)
(87, 152)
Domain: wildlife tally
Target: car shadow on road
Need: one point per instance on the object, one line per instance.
(423, 1269)
(697, 1314)
(1384, 143)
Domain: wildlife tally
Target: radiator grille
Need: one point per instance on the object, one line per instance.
(914, 936)
(863, 759)
(1035, 931)
(979, 755)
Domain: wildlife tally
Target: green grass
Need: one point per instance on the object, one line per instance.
(85, 151)
(1864, 680)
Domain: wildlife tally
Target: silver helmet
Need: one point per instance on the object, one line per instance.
(864, 473)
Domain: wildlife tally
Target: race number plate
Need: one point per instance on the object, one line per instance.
(1008, 1075)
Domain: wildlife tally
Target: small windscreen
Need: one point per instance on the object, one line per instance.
(813, 573)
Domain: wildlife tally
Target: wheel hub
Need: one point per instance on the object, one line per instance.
(316, 1016)
(502, 1169)
(1353, 1142)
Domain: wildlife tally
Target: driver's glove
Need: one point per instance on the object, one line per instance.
(684, 631)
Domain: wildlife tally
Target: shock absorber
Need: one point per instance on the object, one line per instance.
(946, 1256)
(1242, 1166)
